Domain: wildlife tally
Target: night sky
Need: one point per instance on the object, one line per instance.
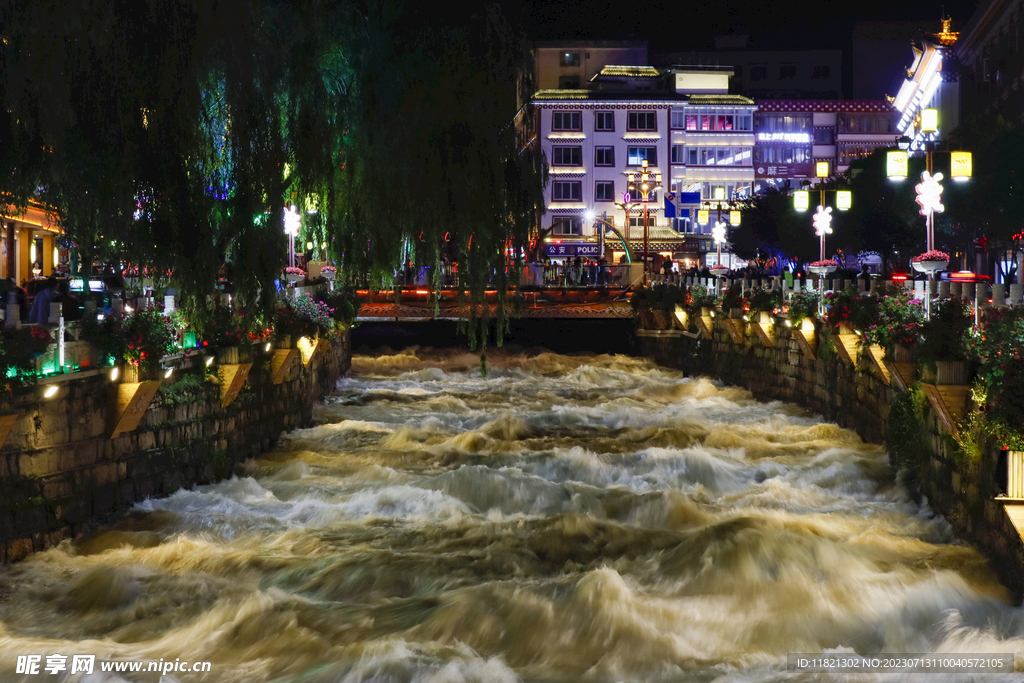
(675, 26)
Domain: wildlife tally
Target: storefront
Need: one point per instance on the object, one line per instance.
(29, 247)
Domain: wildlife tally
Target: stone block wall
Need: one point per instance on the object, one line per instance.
(60, 474)
(858, 399)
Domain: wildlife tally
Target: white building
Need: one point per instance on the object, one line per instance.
(682, 121)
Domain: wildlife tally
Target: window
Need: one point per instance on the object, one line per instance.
(638, 154)
(691, 121)
(570, 59)
(787, 71)
(566, 120)
(604, 156)
(565, 191)
(569, 82)
(567, 156)
(824, 136)
(604, 191)
(642, 120)
(719, 156)
(567, 226)
(785, 123)
(759, 73)
(604, 120)
(783, 155)
(678, 119)
(678, 154)
(820, 71)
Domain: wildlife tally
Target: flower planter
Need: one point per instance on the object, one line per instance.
(328, 274)
(227, 355)
(662, 320)
(647, 319)
(735, 313)
(946, 372)
(294, 277)
(902, 353)
(706, 311)
(283, 341)
(134, 375)
(845, 328)
(930, 266)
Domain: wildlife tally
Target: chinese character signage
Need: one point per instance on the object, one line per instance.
(565, 249)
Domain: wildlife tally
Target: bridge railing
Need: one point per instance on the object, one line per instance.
(533, 275)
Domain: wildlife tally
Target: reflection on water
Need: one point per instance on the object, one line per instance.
(567, 518)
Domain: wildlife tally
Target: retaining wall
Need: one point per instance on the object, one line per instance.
(61, 474)
(858, 398)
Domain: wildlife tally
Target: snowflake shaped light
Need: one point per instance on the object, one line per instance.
(718, 232)
(929, 193)
(292, 221)
(823, 221)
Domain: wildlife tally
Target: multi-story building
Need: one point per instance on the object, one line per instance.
(794, 134)
(681, 121)
(992, 64)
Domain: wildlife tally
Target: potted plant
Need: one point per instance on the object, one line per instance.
(294, 274)
(733, 302)
(763, 302)
(930, 261)
(19, 349)
(944, 343)
(999, 346)
(802, 305)
(329, 272)
(897, 326)
(227, 332)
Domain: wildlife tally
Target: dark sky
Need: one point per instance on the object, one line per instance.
(675, 25)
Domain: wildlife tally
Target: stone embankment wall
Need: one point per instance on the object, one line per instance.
(856, 393)
(61, 474)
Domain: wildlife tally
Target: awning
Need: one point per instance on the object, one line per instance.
(34, 216)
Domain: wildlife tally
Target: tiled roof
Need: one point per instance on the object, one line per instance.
(652, 96)
(880, 106)
(720, 99)
(631, 71)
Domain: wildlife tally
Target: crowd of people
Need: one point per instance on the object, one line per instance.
(34, 299)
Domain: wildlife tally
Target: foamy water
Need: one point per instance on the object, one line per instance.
(563, 519)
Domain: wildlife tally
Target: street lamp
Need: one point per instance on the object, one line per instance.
(648, 185)
(929, 191)
(704, 217)
(822, 219)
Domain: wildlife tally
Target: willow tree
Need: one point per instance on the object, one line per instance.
(435, 154)
(170, 132)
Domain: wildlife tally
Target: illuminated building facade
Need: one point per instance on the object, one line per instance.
(681, 121)
(931, 83)
(791, 135)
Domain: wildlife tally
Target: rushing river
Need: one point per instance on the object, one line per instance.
(563, 519)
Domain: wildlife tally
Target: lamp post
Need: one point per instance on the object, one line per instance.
(703, 217)
(822, 219)
(649, 183)
(718, 235)
(292, 221)
(929, 191)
